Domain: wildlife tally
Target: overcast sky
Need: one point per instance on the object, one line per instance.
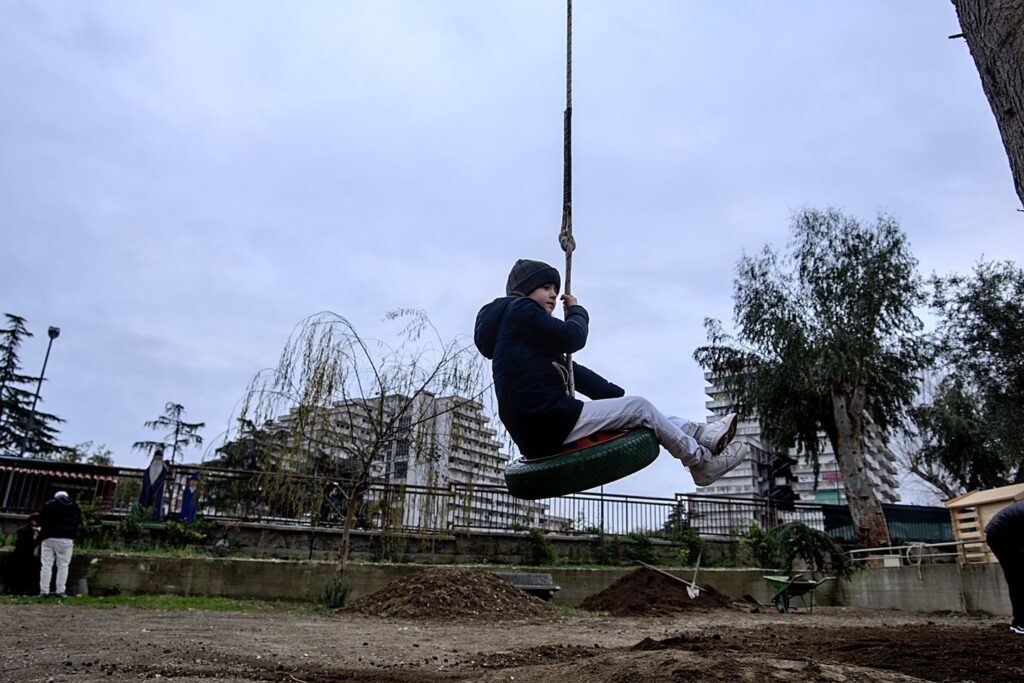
(182, 182)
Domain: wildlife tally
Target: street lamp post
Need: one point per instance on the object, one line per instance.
(53, 333)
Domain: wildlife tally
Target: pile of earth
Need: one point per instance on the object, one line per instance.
(452, 593)
(647, 592)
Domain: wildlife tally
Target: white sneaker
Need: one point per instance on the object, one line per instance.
(717, 435)
(712, 467)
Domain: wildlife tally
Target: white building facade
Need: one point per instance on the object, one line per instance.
(445, 443)
(752, 479)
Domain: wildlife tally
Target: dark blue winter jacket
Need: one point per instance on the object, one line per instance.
(527, 348)
(1007, 527)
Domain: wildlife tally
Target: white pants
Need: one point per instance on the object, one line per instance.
(51, 549)
(674, 433)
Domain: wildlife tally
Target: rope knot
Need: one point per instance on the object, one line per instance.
(565, 238)
(567, 241)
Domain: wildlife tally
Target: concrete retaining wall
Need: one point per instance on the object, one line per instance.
(930, 588)
(304, 579)
(934, 588)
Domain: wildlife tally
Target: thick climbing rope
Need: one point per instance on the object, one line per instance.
(565, 238)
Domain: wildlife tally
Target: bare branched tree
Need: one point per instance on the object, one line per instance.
(937, 482)
(910, 446)
(339, 396)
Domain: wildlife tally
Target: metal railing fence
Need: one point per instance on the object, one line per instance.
(288, 498)
(915, 554)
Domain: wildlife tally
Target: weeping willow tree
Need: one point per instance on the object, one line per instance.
(357, 406)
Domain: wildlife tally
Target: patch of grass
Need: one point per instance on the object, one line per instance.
(158, 551)
(335, 595)
(169, 603)
(569, 611)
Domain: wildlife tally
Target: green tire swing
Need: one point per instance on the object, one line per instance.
(600, 458)
(592, 461)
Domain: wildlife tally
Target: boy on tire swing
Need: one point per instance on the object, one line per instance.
(527, 347)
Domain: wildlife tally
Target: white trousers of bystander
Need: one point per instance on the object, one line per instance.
(54, 550)
(627, 412)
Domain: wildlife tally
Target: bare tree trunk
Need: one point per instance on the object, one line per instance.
(848, 444)
(994, 31)
(345, 546)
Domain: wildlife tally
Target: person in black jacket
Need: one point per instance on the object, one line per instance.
(59, 521)
(23, 565)
(1005, 536)
(527, 347)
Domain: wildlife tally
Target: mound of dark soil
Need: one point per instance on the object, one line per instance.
(646, 592)
(929, 652)
(452, 593)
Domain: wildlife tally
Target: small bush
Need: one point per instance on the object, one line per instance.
(91, 531)
(607, 552)
(541, 549)
(641, 549)
(759, 548)
(334, 595)
(796, 541)
(186, 534)
(781, 547)
(693, 546)
(131, 529)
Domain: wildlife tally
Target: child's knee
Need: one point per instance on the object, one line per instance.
(642, 405)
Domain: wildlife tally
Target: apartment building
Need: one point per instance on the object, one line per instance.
(752, 479)
(436, 442)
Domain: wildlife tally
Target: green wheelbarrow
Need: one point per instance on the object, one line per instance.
(788, 587)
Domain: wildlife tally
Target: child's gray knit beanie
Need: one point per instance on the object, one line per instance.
(527, 276)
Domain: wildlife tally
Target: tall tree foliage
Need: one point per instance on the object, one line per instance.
(338, 393)
(972, 427)
(178, 434)
(250, 482)
(994, 35)
(252, 448)
(827, 341)
(84, 452)
(17, 392)
(250, 479)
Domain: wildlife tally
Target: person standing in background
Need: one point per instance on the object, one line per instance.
(154, 478)
(189, 499)
(23, 566)
(58, 521)
(1005, 536)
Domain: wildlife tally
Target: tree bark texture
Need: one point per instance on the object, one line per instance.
(341, 564)
(994, 31)
(848, 444)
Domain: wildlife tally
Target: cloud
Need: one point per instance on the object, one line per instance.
(183, 183)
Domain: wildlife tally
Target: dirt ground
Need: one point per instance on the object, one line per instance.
(448, 624)
(63, 642)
